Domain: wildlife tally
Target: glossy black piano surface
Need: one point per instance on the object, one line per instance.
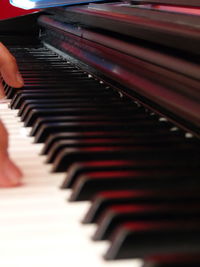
(113, 93)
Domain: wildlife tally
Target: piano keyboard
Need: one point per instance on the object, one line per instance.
(140, 171)
(38, 227)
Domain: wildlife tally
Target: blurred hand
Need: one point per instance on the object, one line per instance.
(10, 174)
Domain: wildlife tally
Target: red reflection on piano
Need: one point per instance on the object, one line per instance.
(177, 9)
(123, 193)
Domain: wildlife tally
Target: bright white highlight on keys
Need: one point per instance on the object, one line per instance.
(38, 227)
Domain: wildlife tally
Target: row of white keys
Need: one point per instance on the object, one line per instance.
(38, 227)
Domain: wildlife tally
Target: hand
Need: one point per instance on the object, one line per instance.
(10, 175)
(9, 70)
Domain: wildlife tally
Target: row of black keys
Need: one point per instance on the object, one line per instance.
(140, 172)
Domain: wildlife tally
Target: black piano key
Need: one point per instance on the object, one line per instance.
(79, 84)
(67, 76)
(37, 67)
(86, 143)
(128, 141)
(87, 85)
(63, 160)
(50, 84)
(64, 75)
(118, 214)
(64, 92)
(7, 88)
(173, 260)
(133, 240)
(69, 156)
(22, 95)
(50, 74)
(53, 138)
(42, 113)
(87, 186)
(105, 199)
(45, 67)
(104, 126)
(61, 100)
(163, 163)
(73, 104)
(79, 119)
(82, 84)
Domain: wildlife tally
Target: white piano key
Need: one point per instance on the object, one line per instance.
(38, 227)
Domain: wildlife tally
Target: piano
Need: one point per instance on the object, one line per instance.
(106, 131)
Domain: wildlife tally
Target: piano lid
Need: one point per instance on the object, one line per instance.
(135, 46)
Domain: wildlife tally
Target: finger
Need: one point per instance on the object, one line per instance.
(3, 139)
(10, 175)
(9, 69)
(2, 93)
(4, 181)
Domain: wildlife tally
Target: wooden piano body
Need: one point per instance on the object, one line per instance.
(112, 90)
